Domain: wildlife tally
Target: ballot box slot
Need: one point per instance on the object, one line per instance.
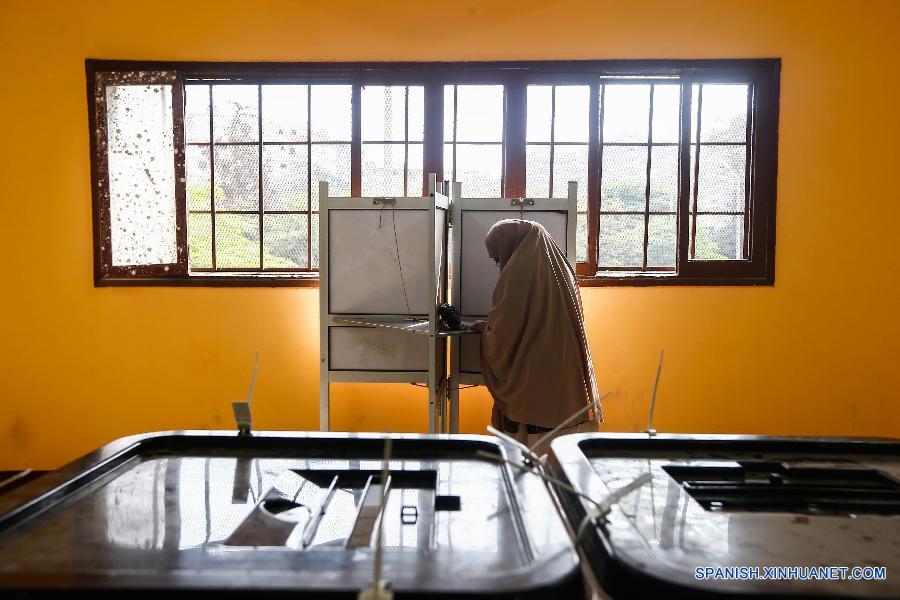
(310, 532)
(374, 497)
(779, 487)
(358, 478)
(320, 508)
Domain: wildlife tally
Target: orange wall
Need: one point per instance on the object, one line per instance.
(815, 354)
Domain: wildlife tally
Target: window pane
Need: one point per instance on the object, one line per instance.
(664, 178)
(661, 241)
(315, 241)
(331, 163)
(691, 173)
(449, 112)
(479, 113)
(235, 113)
(538, 116)
(196, 113)
(382, 169)
(537, 170)
(570, 164)
(285, 241)
(626, 111)
(719, 237)
(141, 188)
(621, 241)
(695, 98)
(666, 120)
(414, 178)
(724, 117)
(479, 168)
(285, 177)
(571, 117)
(237, 241)
(285, 113)
(200, 241)
(581, 238)
(448, 162)
(416, 108)
(331, 113)
(237, 177)
(383, 112)
(624, 178)
(197, 172)
(721, 178)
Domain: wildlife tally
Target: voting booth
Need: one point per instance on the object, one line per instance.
(474, 274)
(385, 268)
(382, 276)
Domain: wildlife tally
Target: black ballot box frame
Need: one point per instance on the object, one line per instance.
(162, 513)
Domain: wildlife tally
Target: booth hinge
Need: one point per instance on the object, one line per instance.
(521, 203)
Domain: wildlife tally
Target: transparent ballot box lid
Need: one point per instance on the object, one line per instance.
(702, 516)
(193, 512)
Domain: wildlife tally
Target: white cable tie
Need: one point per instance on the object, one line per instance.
(595, 405)
(605, 506)
(650, 431)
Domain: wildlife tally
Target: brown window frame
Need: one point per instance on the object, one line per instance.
(762, 74)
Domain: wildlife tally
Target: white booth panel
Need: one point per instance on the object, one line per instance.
(440, 246)
(376, 349)
(363, 273)
(478, 273)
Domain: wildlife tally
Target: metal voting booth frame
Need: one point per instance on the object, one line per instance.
(465, 355)
(393, 329)
(408, 333)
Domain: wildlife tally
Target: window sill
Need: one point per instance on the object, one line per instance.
(668, 279)
(311, 280)
(300, 280)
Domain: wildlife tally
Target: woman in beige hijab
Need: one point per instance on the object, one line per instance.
(534, 353)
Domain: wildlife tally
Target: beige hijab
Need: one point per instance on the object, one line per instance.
(534, 353)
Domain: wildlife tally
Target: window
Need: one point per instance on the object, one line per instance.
(639, 125)
(557, 146)
(720, 153)
(207, 173)
(253, 156)
(473, 138)
(393, 135)
(138, 214)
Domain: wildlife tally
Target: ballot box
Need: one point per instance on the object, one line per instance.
(189, 513)
(10, 480)
(672, 516)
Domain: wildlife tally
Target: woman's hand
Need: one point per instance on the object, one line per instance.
(479, 326)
